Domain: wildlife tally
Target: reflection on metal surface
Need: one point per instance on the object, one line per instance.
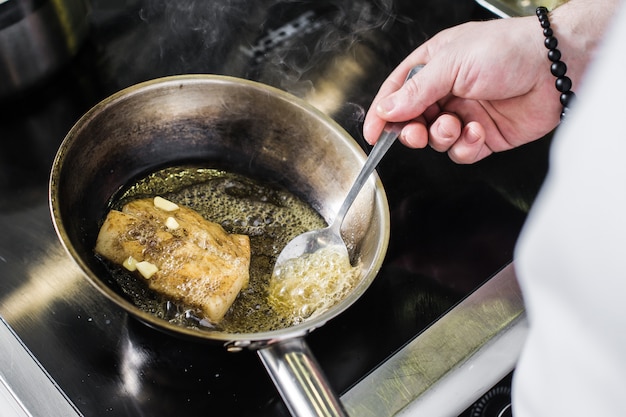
(326, 96)
(340, 77)
(33, 295)
(41, 41)
(37, 393)
(511, 8)
(296, 374)
(463, 354)
(134, 359)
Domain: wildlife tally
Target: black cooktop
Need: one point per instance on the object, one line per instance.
(452, 226)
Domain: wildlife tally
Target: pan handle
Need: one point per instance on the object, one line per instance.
(299, 380)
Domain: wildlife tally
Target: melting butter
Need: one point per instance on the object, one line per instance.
(309, 285)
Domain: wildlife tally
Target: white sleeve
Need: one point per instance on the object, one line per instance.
(571, 256)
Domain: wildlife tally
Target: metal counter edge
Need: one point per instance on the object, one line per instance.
(31, 391)
(452, 363)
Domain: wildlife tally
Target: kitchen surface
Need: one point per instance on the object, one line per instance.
(446, 290)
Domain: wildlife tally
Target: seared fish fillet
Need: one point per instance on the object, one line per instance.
(192, 259)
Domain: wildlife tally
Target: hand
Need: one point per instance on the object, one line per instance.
(486, 87)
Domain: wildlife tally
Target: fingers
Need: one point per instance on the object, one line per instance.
(397, 100)
(471, 145)
(373, 123)
(372, 127)
(416, 95)
(414, 135)
(464, 144)
(444, 132)
(441, 135)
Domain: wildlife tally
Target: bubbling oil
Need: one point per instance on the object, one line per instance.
(308, 285)
(270, 216)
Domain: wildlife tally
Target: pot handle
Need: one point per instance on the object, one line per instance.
(299, 379)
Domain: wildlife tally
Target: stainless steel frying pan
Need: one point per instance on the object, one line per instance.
(253, 129)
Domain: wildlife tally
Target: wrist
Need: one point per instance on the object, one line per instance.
(558, 68)
(579, 26)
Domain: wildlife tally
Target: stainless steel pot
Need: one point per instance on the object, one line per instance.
(253, 129)
(37, 37)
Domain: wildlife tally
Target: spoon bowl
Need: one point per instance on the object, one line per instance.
(311, 242)
(330, 237)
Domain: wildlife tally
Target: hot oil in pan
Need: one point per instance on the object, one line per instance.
(269, 216)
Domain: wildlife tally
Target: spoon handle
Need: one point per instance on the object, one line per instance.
(385, 140)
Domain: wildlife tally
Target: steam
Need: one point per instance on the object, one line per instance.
(163, 37)
(333, 53)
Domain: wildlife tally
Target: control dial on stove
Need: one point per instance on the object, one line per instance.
(495, 403)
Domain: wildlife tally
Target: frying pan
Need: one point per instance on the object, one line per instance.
(252, 129)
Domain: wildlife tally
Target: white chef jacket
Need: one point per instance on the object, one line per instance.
(571, 256)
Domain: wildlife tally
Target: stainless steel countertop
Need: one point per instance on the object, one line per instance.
(461, 356)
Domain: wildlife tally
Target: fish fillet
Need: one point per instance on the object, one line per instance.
(197, 261)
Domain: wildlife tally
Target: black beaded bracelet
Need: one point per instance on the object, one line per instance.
(557, 68)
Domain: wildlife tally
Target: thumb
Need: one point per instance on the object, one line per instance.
(416, 95)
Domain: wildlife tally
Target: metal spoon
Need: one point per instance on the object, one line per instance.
(314, 240)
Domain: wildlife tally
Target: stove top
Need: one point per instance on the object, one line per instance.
(452, 227)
